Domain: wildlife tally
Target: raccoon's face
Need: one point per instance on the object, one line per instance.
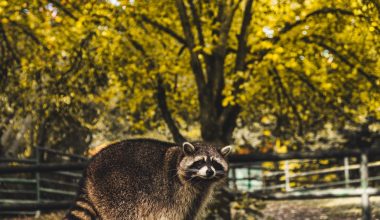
(203, 162)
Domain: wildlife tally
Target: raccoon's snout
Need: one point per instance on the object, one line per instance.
(210, 173)
(206, 172)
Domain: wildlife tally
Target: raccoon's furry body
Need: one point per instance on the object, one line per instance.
(148, 179)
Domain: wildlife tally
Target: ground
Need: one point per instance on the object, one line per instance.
(334, 209)
(320, 209)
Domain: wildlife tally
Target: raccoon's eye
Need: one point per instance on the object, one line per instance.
(198, 164)
(217, 166)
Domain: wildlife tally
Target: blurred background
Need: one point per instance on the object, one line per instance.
(293, 84)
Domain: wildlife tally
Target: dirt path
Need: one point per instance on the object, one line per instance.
(321, 209)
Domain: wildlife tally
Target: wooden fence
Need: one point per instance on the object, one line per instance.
(31, 185)
(362, 186)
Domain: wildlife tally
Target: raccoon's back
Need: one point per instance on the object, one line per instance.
(129, 174)
(137, 155)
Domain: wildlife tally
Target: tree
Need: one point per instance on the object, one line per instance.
(290, 60)
(101, 64)
(43, 76)
(288, 69)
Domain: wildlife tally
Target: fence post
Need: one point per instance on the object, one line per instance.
(287, 176)
(347, 172)
(366, 208)
(37, 176)
(263, 181)
(234, 184)
(249, 176)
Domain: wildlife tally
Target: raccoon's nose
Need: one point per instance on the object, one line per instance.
(209, 173)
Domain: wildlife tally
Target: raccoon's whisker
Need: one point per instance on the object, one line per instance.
(176, 173)
(191, 171)
(190, 179)
(173, 176)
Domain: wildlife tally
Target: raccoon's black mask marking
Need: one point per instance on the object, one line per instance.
(204, 163)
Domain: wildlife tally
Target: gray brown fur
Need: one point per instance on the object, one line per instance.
(144, 179)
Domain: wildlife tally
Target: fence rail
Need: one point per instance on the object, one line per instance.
(33, 206)
(314, 194)
(41, 168)
(332, 154)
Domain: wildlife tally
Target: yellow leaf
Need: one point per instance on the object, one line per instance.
(58, 19)
(267, 133)
(279, 50)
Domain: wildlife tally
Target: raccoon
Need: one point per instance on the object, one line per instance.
(150, 179)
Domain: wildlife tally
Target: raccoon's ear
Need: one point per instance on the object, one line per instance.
(226, 150)
(188, 148)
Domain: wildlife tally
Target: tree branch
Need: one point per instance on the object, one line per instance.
(160, 95)
(194, 60)
(166, 30)
(64, 9)
(197, 22)
(30, 33)
(242, 38)
(321, 11)
(8, 44)
(79, 58)
(277, 78)
(371, 78)
(242, 45)
(289, 26)
(301, 76)
(258, 56)
(139, 47)
(186, 26)
(229, 114)
(161, 99)
(226, 24)
(215, 71)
